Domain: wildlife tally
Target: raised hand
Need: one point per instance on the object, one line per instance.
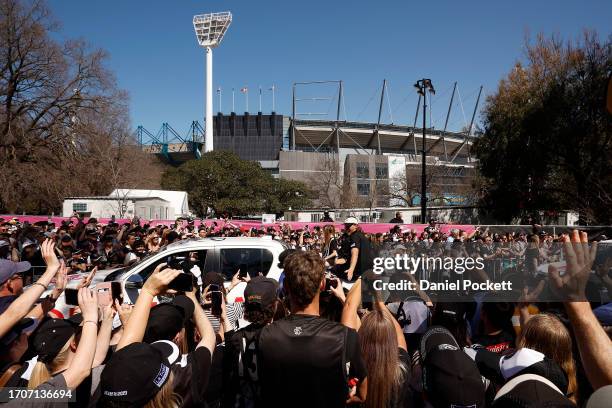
(61, 277)
(88, 303)
(48, 254)
(159, 280)
(124, 311)
(338, 291)
(87, 281)
(579, 260)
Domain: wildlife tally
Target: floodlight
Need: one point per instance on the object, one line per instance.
(210, 29)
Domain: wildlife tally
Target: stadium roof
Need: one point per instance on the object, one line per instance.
(319, 134)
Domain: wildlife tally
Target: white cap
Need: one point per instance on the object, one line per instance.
(351, 220)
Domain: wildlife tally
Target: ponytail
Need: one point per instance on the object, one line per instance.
(40, 374)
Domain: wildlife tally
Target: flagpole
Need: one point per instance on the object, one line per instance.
(260, 98)
(273, 89)
(246, 96)
(233, 110)
(219, 92)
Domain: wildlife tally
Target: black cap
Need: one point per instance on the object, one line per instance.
(186, 304)
(261, 291)
(137, 372)
(450, 377)
(51, 336)
(66, 238)
(530, 391)
(165, 321)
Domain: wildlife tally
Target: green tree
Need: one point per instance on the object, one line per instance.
(547, 143)
(222, 181)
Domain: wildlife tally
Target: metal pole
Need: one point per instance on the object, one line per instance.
(472, 121)
(423, 170)
(219, 92)
(338, 125)
(259, 98)
(273, 107)
(233, 106)
(450, 105)
(293, 118)
(208, 143)
(246, 97)
(474, 113)
(416, 117)
(382, 98)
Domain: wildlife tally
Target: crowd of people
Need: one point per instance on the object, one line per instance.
(304, 341)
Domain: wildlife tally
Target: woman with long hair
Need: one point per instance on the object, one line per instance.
(330, 244)
(384, 352)
(383, 349)
(548, 335)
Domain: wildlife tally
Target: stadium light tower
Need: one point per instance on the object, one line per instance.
(210, 29)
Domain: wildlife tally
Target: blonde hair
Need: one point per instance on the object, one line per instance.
(379, 350)
(165, 397)
(328, 234)
(42, 371)
(548, 335)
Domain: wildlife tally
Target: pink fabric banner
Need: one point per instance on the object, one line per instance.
(372, 228)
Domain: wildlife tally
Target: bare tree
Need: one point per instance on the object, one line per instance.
(60, 109)
(327, 182)
(441, 181)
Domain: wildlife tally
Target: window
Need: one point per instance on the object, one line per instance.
(363, 188)
(315, 217)
(254, 260)
(79, 207)
(199, 256)
(363, 170)
(416, 219)
(382, 171)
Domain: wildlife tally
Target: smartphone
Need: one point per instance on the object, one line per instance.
(71, 296)
(216, 298)
(330, 283)
(104, 291)
(243, 271)
(182, 283)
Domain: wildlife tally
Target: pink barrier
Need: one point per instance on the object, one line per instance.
(247, 224)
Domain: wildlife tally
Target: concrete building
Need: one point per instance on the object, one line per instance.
(178, 199)
(125, 203)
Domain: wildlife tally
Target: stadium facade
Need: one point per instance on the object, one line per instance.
(353, 164)
(350, 164)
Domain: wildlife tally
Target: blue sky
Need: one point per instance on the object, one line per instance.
(155, 56)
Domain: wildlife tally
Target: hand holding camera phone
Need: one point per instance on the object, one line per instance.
(330, 282)
(107, 293)
(213, 297)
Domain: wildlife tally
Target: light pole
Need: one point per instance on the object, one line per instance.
(210, 29)
(422, 86)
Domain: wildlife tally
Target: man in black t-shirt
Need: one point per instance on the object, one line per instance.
(362, 257)
(305, 360)
(398, 219)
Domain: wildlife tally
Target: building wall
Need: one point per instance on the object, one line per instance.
(105, 208)
(98, 208)
(366, 180)
(252, 137)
